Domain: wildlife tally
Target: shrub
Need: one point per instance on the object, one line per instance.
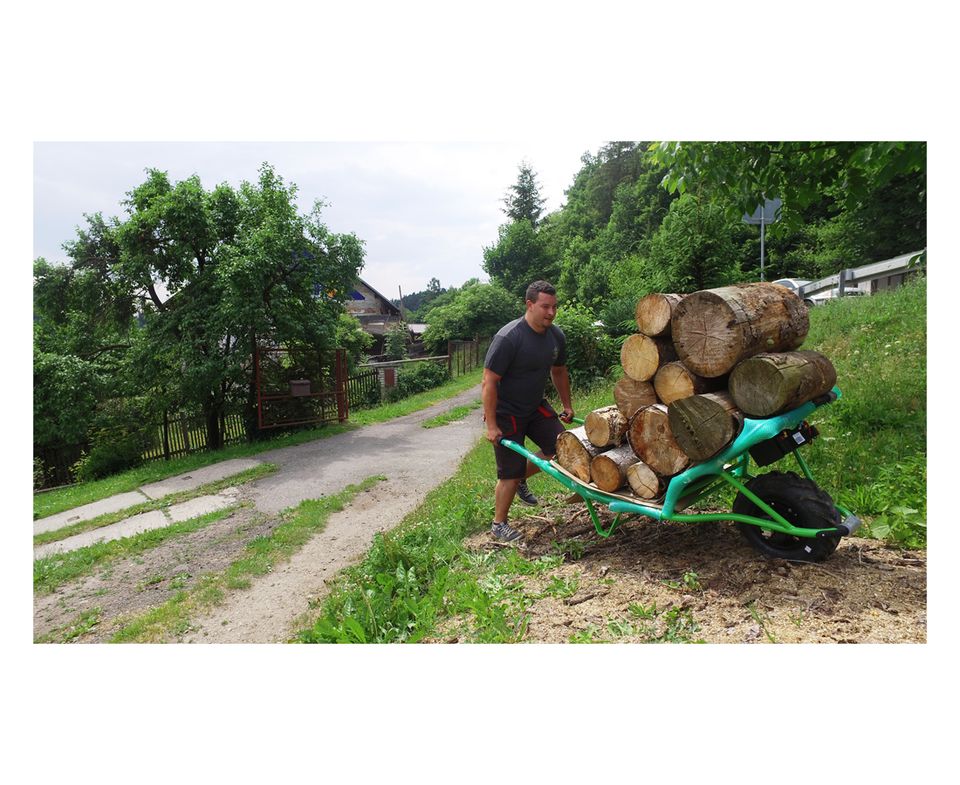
(423, 376)
(591, 353)
(122, 433)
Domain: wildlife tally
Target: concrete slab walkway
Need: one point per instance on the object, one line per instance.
(152, 491)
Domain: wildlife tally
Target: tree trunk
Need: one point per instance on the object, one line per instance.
(654, 312)
(631, 395)
(609, 470)
(704, 424)
(211, 415)
(642, 355)
(651, 439)
(769, 384)
(674, 381)
(644, 481)
(714, 329)
(605, 427)
(575, 452)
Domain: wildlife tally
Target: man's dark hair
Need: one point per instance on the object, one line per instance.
(534, 290)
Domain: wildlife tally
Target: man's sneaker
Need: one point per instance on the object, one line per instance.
(504, 532)
(526, 495)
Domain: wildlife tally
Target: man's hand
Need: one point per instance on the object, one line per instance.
(494, 434)
(567, 415)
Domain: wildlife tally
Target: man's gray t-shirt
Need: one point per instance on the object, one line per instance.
(523, 357)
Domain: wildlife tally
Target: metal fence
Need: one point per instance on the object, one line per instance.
(466, 356)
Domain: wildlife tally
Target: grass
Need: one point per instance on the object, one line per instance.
(248, 475)
(52, 502)
(298, 524)
(52, 572)
(455, 414)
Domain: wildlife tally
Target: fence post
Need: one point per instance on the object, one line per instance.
(340, 370)
(166, 435)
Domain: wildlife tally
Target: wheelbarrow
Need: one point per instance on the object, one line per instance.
(780, 514)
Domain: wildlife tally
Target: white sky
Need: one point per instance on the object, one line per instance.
(423, 210)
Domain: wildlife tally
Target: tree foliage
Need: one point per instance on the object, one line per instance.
(477, 310)
(523, 201)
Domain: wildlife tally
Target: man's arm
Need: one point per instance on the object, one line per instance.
(488, 394)
(561, 380)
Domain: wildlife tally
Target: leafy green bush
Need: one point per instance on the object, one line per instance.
(420, 377)
(121, 435)
(591, 353)
(395, 342)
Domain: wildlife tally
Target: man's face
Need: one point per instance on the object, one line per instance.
(543, 311)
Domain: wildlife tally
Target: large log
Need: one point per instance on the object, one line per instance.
(715, 329)
(643, 481)
(772, 383)
(642, 355)
(631, 395)
(674, 380)
(575, 452)
(605, 427)
(654, 312)
(704, 424)
(651, 439)
(609, 469)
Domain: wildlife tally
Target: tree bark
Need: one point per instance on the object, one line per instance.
(652, 441)
(631, 395)
(643, 481)
(769, 384)
(575, 452)
(714, 329)
(609, 469)
(654, 312)
(674, 381)
(642, 355)
(704, 424)
(605, 427)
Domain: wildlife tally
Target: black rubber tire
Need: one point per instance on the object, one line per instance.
(802, 503)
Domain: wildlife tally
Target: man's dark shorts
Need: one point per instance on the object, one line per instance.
(541, 427)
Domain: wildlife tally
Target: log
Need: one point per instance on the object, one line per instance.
(642, 355)
(654, 312)
(715, 329)
(674, 380)
(609, 469)
(631, 395)
(605, 427)
(704, 424)
(643, 481)
(575, 452)
(652, 441)
(772, 383)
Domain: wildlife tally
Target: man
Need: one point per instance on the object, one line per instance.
(521, 356)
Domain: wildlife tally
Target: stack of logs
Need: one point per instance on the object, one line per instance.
(697, 366)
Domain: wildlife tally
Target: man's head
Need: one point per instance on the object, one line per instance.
(541, 305)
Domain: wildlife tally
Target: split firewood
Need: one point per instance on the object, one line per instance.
(772, 383)
(641, 356)
(651, 439)
(643, 481)
(605, 427)
(715, 329)
(674, 380)
(575, 452)
(654, 312)
(704, 424)
(631, 395)
(609, 469)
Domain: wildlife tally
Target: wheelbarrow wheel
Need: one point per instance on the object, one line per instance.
(802, 503)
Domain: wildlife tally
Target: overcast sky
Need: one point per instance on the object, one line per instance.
(423, 210)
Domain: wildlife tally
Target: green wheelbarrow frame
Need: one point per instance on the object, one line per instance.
(729, 467)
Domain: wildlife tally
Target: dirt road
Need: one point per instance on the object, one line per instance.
(412, 458)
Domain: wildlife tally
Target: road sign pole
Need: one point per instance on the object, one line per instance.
(762, 224)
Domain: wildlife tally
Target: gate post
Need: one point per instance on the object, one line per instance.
(340, 369)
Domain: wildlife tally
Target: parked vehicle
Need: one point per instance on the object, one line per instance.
(796, 284)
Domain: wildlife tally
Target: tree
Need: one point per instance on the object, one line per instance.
(742, 174)
(477, 310)
(519, 257)
(238, 264)
(523, 200)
